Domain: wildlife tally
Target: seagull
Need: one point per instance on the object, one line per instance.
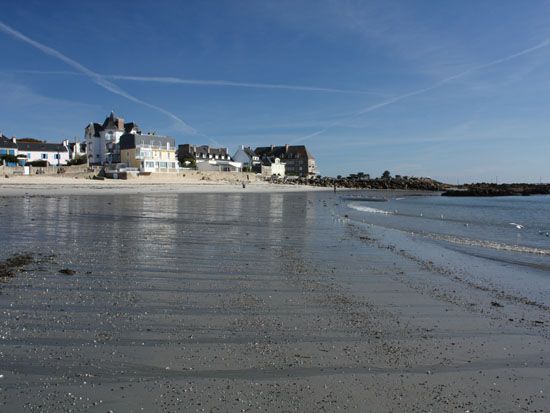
(518, 226)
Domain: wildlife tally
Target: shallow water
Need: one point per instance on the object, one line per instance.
(477, 219)
(470, 233)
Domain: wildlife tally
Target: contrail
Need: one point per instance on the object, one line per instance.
(202, 82)
(95, 77)
(177, 80)
(436, 85)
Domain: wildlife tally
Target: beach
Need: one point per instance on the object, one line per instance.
(214, 297)
(170, 183)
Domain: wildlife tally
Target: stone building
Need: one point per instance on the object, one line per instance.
(297, 159)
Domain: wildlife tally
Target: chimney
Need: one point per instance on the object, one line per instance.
(66, 143)
(286, 147)
(272, 146)
(13, 139)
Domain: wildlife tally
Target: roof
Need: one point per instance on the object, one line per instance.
(203, 149)
(97, 128)
(248, 150)
(129, 126)
(112, 122)
(41, 147)
(6, 142)
(131, 141)
(283, 152)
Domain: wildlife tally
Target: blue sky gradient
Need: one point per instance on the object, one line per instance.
(458, 91)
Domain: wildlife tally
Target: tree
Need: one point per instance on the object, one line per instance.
(386, 175)
(8, 158)
(38, 163)
(81, 160)
(188, 162)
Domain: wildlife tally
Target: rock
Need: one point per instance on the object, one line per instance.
(485, 189)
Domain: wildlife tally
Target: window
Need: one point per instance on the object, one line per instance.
(3, 152)
(44, 156)
(57, 156)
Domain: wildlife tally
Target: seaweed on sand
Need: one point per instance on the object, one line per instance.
(14, 264)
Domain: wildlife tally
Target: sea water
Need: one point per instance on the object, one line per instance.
(505, 241)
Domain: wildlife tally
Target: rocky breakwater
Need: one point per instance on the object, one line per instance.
(485, 189)
(397, 182)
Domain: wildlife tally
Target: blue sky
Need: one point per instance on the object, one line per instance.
(459, 91)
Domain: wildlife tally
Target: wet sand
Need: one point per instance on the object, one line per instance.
(246, 302)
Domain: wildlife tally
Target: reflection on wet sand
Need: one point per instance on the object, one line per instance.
(235, 302)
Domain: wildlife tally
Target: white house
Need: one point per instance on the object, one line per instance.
(102, 140)
(275, 167)
(220, 165)
(76, 149)
(30, 150)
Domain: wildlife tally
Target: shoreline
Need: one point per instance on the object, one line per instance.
(66, 186)
(53, 185)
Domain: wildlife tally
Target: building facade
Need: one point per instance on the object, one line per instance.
(200, 153)
(55, 154)
(102, 140)
(248, 158)
(76, 150)
(219, 165)
(7, 146)
(148, 153)
(30, 150)
(297, 159)
(273, 168)
(207, 158)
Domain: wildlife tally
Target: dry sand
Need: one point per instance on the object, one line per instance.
(188, 182)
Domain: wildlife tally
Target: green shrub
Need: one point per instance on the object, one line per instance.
(40, 164)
